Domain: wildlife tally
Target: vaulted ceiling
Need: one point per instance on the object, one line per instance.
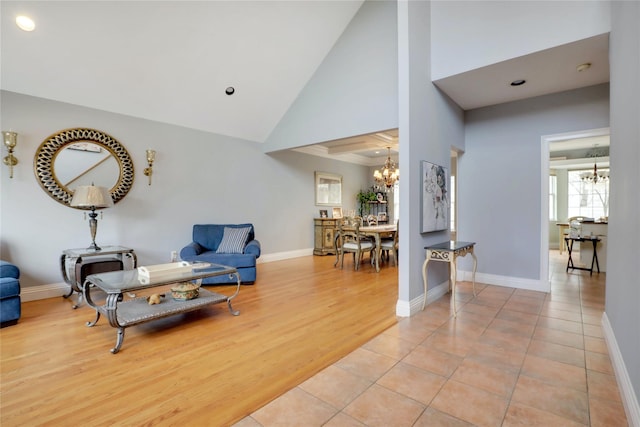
(172, 61)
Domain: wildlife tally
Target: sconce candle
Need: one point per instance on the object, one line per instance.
(148, 171)
(10, 140)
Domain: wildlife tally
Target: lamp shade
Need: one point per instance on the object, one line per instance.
(91, 197)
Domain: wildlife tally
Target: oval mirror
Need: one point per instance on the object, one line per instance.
(81, 156)
(85, 163)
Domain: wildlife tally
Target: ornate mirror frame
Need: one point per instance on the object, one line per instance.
(54, 144)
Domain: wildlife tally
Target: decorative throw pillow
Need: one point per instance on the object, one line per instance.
(233, 240)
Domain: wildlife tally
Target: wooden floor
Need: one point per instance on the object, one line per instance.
(201, 368)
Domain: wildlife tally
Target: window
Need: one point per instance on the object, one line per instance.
(553, 198)
(587, 198)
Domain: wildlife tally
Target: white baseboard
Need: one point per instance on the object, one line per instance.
(279, 256)
(510, 282)
(33, 293)
(403, 308)
(409, 308)
(629, 398)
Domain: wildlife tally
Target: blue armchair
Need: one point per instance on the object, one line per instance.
(227, 244)
(9, 294)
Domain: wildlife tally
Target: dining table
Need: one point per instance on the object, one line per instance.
(378, 232)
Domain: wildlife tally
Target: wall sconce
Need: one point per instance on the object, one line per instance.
(148, 171)
(10, 140)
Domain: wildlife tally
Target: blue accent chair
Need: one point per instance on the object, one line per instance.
(204, 247)
(9, 294)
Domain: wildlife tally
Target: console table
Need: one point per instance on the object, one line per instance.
(77, 263)
(594, 259)
(122, 314)
(448, 252)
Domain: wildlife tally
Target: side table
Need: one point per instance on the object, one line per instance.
(74, 261)
(594, 259)
(448, 252)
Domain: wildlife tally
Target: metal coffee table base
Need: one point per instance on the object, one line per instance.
(122, 314)
(133, 312)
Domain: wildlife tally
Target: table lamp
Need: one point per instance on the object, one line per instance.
(91, 197)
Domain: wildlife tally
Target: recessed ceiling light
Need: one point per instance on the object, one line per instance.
(230, 90)
(25, 23)
(583, 67)
(518, 82)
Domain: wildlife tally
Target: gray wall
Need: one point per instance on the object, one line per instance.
(355, 89)
(623, 266)
(198, 178)
(430, 124)
(469, 34)
(499, 175)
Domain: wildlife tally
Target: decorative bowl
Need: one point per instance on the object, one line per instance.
(184, 291)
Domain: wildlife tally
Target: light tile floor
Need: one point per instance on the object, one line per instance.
(511, 358)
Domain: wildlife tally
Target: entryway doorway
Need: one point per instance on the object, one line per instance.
(569, 162)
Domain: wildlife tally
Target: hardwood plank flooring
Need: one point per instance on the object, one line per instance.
(200, 368)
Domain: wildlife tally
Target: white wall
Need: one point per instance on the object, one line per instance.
(472, 34)
(623, 290)
(198, 178)
(499, 175)
(355, 89)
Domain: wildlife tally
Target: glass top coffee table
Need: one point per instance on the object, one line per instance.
(122, 314)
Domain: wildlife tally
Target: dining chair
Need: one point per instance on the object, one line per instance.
(353, 241)
(391, 245)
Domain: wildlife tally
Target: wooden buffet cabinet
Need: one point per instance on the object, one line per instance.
(324, 234)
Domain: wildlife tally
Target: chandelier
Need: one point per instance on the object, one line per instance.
(596, 175)
(389, 175)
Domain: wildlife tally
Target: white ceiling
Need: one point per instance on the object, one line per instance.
(368, 150)
(599, 141)
(548, 71)
(171, 61)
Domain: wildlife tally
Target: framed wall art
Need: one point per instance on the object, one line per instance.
(435, 197)
(328, 189)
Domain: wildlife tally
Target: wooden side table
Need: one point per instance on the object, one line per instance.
(448, 252)
(72, 262)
